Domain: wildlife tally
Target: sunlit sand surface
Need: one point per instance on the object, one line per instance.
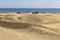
(15, 26)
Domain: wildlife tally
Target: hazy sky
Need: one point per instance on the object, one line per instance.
(29, 3)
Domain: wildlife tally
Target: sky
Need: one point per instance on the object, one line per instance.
(29, 3)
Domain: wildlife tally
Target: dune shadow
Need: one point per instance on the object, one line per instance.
(14, 25)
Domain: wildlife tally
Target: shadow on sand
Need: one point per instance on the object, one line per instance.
(14, 25)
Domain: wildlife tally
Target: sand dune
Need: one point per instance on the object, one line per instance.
(29, 26)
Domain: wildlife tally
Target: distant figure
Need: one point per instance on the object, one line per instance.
(34, 12)
(18, 12)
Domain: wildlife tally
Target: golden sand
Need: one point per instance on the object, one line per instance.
(29, 26)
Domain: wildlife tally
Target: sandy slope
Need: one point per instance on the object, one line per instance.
(29, 26)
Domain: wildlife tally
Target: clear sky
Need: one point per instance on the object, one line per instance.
(29, 3)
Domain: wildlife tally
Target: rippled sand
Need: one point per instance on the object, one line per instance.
(29, 26)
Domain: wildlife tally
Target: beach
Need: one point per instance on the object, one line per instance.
(28, 26)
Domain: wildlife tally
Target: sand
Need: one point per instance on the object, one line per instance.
(29, 26)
